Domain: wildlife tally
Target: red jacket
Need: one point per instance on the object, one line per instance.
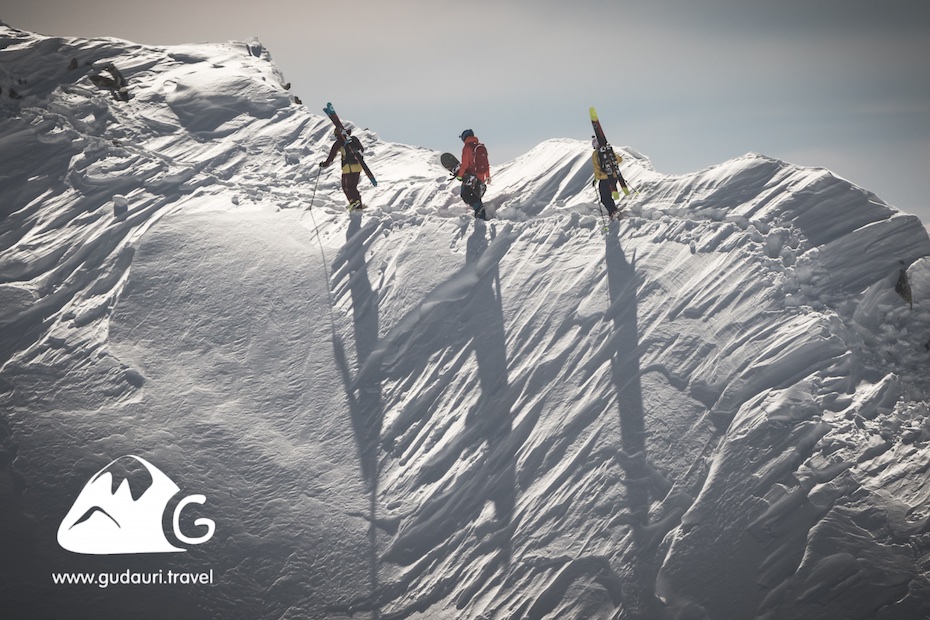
(468, 154)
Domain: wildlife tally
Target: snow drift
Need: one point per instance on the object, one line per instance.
(717, 408)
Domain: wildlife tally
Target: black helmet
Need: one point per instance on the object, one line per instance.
(468, 133)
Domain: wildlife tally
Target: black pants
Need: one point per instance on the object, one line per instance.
(350, 186)
(606, 188)
(472, 191)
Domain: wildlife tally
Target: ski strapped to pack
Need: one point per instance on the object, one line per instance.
(346, 138)
(606, 157)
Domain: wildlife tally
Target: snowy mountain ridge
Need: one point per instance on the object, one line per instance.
(716, 408)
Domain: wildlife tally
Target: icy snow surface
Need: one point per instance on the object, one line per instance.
(716, 408)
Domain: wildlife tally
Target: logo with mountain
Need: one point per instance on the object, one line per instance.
(120, 511)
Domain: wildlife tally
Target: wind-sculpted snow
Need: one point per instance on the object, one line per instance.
(716, 408)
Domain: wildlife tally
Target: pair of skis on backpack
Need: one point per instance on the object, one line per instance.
(607, 160)
(355, 206)
(344, 134)
(606, 156)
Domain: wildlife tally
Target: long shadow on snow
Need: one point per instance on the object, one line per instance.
(366, 406)
(443, 520)
(626, 372)
(634, 587)
(460, 316)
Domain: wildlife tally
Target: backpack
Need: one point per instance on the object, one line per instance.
(480, 162)
(607, 160)
(351, 151)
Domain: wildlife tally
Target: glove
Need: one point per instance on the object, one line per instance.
(323, 164)
(615, 195)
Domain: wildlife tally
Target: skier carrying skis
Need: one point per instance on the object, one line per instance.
(606, 183)
(351, 167)
(474, 172)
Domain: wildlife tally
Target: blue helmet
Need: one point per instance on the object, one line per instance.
(468, 133)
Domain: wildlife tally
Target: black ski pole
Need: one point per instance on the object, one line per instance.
(316, 184)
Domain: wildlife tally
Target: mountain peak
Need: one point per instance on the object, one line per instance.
(544, 415)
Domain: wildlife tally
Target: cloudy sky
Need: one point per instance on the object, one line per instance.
(842, 84)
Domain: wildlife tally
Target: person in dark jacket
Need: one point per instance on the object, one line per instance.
(351, 167)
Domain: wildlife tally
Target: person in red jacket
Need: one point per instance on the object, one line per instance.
(351, 168)
(473, 172)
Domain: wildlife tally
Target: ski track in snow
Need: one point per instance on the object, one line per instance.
(717, 407)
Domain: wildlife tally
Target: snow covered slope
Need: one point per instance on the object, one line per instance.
(718, 408)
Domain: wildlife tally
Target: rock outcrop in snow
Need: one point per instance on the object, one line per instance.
(718, 408)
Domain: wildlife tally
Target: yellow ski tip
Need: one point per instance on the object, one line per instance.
(593, 114)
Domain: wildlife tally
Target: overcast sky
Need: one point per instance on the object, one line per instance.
(842, 84)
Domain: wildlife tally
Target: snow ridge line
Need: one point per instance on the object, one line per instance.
(540, 414)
